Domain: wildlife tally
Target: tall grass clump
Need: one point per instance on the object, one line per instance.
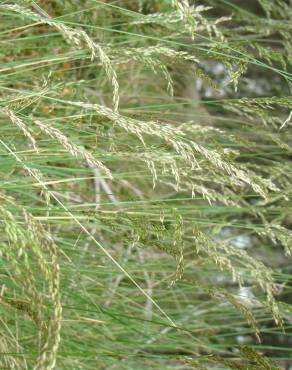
(145, 195)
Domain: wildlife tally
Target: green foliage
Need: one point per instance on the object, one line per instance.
(141, 142)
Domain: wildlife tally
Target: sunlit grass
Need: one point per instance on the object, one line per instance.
(162, 216)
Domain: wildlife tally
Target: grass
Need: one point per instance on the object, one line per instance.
(145, 216)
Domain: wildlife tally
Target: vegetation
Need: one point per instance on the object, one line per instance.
(145, 194)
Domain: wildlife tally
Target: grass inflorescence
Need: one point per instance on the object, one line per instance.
(145, 194)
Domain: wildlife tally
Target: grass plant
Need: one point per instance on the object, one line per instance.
(145, 189)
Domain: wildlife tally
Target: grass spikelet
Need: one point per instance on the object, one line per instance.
(174, 137)
(77, 38)
(191, 15)
(73, 149)
(250, 359)
(26, 245)
(22, 126)
(223, 256)
(243, 308)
